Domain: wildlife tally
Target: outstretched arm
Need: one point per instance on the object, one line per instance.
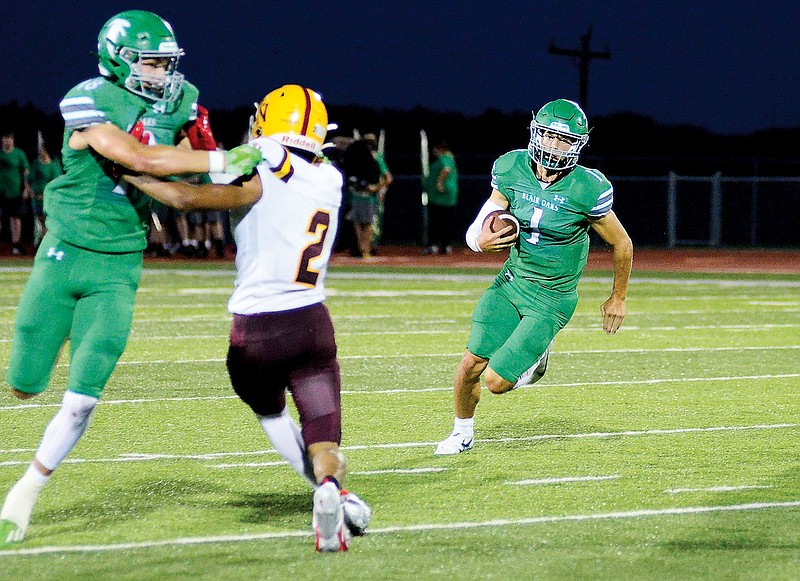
(187, 197)
(159, 160)
(613, 232)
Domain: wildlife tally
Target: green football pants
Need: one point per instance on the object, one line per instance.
(515, 321)
(76, 294)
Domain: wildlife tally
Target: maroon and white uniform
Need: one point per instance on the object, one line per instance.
(284, 242)
(282, 335)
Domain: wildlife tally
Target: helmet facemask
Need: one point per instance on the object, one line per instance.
(563, 124)
(164, 89)
(554, 158)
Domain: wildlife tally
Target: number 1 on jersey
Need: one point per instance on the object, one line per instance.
(319, 228)
(535, 219)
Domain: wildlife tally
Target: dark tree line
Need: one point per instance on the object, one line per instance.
(620, 144)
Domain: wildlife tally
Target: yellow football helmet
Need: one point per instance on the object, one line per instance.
(294, 116)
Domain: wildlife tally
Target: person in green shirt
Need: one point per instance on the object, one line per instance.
(44, 169)
(442, 188)
(14, 187)
(386, 180)
(556, 202)
(87, 268)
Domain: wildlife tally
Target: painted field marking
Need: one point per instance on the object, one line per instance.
(490, 274)
(249, 465)
(537, 481)
(453, 526)
(429, 470)
(139, 457)
(618, 383)
(715, 489)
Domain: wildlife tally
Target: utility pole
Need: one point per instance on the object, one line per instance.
(583, 55)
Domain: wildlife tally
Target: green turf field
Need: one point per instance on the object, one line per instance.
(668, 451)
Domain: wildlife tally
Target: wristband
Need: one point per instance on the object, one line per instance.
(472, 242)
(216, 162)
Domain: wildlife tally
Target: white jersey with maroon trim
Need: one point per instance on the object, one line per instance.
(284, 242)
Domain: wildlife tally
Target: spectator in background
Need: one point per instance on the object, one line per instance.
(363, 178)
(442, 188)
(14, 187)
(383, 186)
(205, 225)
(44, 169)
(207, 231)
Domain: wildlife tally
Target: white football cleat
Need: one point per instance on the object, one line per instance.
(455, 443)
(357, 513)
(328, 520)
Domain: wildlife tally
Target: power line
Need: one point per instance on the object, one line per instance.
(584, 55)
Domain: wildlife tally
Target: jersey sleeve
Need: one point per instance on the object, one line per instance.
(79, 111)
(98, 101)
(500, 170)
(605, 194)
(275, 157)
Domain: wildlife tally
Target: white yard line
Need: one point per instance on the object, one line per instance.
(147, 457)
(618, 383)
(451, 526)
(715, 489)
(563, 479)
(429, 470)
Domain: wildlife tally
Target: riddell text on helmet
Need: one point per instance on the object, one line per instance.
(297, 141)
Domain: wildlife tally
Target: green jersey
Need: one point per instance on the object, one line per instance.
(554, 240)
(89, 206)
(42, 174)
(13, 166)
(449, 197)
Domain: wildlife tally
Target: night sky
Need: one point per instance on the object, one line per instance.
(730, 67)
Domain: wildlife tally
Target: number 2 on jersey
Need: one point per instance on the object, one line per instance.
(319, 228)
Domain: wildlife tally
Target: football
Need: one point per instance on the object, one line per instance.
(357, 513)
(500, 219)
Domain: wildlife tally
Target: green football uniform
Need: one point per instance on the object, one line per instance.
(88, 266)
(535, 294)
(554, 240)
(88, 206)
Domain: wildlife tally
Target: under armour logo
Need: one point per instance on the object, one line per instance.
(508, 275)
(53, 253)
(559, 199)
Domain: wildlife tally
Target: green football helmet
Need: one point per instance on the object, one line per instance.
(565, 120)
(128, 38)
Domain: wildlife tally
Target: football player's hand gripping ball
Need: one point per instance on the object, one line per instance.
(499, 231)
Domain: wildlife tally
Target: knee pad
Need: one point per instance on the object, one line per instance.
(78, 407)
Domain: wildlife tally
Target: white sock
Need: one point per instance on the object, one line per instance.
(464, 426)
(65, 429)
(287, 440)
(22, 497)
